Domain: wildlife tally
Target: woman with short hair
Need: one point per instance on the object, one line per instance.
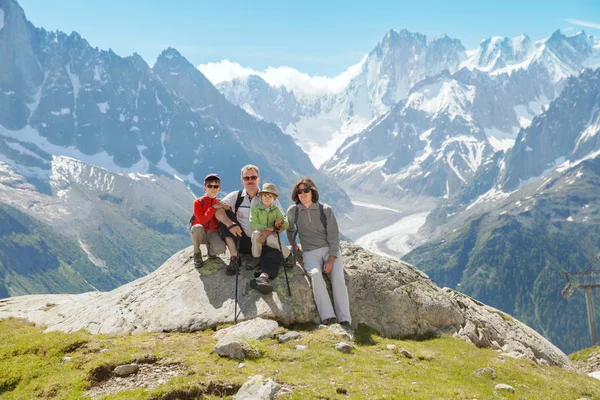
(317, 227)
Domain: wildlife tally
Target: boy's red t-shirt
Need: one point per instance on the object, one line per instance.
(205, 216)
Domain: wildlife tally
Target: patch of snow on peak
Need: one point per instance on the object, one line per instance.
(103, 107)
(1, 19)
(443, 96)
(287, 77)
(500, 140)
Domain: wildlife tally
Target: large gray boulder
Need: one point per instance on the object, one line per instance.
(389, 295)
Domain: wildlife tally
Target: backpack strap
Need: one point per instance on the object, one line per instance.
(238, 201)
(323, 217)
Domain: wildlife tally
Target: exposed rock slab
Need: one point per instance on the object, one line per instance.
(488, 327)
(388, 295)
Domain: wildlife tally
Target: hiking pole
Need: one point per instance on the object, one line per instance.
(237, 272)
(284, 268)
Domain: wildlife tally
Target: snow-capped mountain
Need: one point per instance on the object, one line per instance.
(59, 92)
(434, 142)
(567, 131)
(561, 55)
(320, 124)
(526, 218)
(100, 150)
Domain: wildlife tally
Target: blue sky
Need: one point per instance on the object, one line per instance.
(315, 37)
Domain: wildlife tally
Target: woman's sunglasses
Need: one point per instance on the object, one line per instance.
(250, 178)
(305, 190)
(212, 186)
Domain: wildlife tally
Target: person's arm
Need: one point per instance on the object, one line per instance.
(222, 217)
(291, 230)
(203, 216)
(254, 223)
(284, 221)
(333, 232)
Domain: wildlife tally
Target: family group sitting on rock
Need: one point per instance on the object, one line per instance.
(249, 221)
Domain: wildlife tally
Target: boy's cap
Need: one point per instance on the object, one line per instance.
(269, 188)
(212, 177)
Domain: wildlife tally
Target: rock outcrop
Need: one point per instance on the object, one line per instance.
(388, 295)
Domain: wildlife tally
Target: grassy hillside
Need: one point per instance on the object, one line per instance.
(181, 366)
(34, 259)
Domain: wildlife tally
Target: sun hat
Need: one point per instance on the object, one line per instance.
(269, 188)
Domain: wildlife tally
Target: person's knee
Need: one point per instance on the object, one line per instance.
(197, 229)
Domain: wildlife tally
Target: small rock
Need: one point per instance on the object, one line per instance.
(301, 347)
(257, 388)
(504, 386)
(341, 391)
(487, 371)
(230, 349)
(103, 350)
(343, 347)
(65, 359)
(514, 354)
(340, 330)
(288, 336)
(127, 369)
(241, 365)
(406, 353)
(391, 347)
(257, 328)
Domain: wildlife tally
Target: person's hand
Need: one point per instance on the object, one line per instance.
(221, 205)
(263, 235)
(278, 223)
(328, 266)
(236, 231)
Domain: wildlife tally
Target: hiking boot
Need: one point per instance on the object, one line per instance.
(289, 262)
(198, 262)
(212, 257)
(330, 321)
(232, 264)
(345, 324)
(261, 284)
(253, 263)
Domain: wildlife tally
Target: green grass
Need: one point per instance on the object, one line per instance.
(443, 367)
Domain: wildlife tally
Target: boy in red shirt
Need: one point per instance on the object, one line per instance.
(205, 227)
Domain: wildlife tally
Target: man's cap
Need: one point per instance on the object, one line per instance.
(212, 177)
(269, 188)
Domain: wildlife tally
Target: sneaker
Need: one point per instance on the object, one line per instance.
(198, 262)
(253, 263)
(289, 262)
(232, 264)
(261, 284)
(329, 321)
(345, 324)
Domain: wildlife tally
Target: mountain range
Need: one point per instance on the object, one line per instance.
(108, 152)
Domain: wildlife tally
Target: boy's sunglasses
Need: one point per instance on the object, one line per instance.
(250, 178)
(212, 186)
(305, 190)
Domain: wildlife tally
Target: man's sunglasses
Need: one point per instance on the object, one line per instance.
(250, 178)
(212, 186)
(305, 190)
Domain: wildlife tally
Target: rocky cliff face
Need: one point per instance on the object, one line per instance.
(390, 296)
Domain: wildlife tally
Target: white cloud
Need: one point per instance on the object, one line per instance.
(587, 24)
(290, 78)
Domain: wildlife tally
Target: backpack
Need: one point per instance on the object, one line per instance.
(238, 202)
